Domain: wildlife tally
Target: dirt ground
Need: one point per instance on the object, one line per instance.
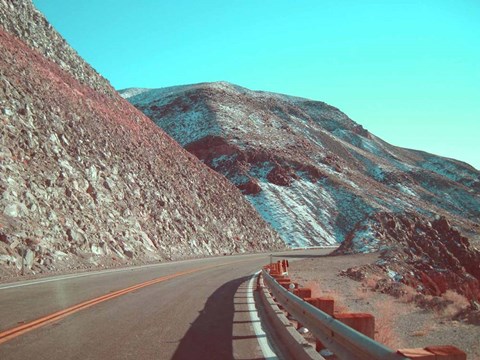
(399, 324)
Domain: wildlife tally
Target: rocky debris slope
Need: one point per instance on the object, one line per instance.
(86, 179)
(311, 171)
(429, 256)
(22, 19)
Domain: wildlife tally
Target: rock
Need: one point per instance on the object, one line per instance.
(29, 257)
(281, 176)
(250, 188)
(12, 210)
(441, 225)
(7, 112)
(97, 250)
(10, 260)
(92, 174)
(14, 244)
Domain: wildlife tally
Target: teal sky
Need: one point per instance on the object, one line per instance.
(408, 71)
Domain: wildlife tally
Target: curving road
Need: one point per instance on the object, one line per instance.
(194, 309)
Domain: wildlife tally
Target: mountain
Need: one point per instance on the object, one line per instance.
(312, 172)
(88, 180)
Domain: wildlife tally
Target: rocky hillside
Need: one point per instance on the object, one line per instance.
(20, 18)
(87, 179)
(311, 171)
(428, 255)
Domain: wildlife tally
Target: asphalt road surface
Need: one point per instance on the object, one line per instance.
(195, 309)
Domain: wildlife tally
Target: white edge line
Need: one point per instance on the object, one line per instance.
(267, 350)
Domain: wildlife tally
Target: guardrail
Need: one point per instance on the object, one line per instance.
(342, 339)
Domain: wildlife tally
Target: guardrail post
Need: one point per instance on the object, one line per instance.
(417, 354)
(303, 293)
(447, 352)
(275, 268)
(438, 352)
(285, 283)
(326, 304)
(362, 322)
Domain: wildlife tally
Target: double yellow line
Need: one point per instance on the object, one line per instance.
(22, 329)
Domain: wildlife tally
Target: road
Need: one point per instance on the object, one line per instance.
(194, 309)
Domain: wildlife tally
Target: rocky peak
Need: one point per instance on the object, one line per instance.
(22, 19)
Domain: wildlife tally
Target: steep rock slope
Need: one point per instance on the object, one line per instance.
(86, 179)
(22, 19)
(427, 254)
(311, 171)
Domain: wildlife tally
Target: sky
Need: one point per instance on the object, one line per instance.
(408, 71)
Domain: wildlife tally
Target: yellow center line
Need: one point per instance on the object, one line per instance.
(22, 329)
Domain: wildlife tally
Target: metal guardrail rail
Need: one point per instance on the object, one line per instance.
(339, 338)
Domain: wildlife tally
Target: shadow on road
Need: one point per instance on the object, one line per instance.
(210, 335)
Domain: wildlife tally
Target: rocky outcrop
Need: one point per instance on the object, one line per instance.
(319, 172)
(250, 188)
(431, 256)
(88, 180)
(282, 176)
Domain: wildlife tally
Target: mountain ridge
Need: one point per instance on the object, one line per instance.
(276, 148)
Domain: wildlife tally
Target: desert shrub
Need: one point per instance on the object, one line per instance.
(409, 294)
(455, 303)
(386, 314)
(371, 281)
(362, 293)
